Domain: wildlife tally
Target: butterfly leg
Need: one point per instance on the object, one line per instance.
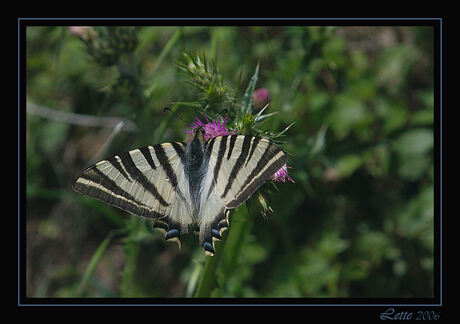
(170, 229)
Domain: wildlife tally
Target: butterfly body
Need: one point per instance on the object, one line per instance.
(183, 185)
(196, 167)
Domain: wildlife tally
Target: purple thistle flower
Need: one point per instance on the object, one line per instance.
(282, 175)
(261, 97)
(86, 33)
(211, 128)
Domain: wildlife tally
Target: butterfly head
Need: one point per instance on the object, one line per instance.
(199, 135)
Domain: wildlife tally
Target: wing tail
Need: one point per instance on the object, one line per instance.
(212, 231)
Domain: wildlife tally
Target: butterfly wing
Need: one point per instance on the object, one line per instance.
(147, 182)
(238, 166)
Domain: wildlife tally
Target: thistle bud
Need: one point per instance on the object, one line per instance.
(84, 32)
(265, 207)
(106, 44)
(123, 39)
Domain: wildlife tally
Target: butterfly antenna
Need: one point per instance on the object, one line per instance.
(223, 112)
(174, 113)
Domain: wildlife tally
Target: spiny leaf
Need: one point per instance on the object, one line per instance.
(247, 104)
(284, 130)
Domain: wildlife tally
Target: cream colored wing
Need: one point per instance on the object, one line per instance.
(148, 182)
(238, 166)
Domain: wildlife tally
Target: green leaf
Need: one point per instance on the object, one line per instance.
(318, 142)
(394, 64)
(416, 141)
(348, 114)
(94, 261)
(166, 49)
(348, 164)
(247, 104)
(412, 148)
(132, 247)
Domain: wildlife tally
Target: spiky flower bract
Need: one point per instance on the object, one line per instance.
(206, 78)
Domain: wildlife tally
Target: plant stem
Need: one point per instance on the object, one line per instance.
(218, 267)
(208, 277)
(127, 287)
(166, 49)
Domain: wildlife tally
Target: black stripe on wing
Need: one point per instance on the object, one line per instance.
(106, 190)
(270, 162)
(148, 156)
(139, 177)
(238, 164)
(114, 162)
(232, 145)
(179, 148)
(164, 162)
(254, 144)
(220, 156)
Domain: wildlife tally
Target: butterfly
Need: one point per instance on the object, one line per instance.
(185, 185)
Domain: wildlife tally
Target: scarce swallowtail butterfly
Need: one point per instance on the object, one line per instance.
(182, 185)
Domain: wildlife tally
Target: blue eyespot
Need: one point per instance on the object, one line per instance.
(216, 234)
(171, 234)
(208, 247)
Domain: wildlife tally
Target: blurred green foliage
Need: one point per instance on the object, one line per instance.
(358, 222)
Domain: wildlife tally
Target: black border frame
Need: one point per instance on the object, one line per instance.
(374, 306)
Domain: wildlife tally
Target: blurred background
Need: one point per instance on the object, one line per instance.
(357, 222)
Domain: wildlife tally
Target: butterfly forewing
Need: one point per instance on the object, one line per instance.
(242, 164)
(146, 182)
